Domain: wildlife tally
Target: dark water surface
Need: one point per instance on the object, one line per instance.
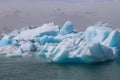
(17, 69)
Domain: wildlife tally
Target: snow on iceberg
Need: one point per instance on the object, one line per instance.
(98, 43)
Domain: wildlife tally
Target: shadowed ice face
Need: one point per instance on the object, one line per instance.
(82, 13)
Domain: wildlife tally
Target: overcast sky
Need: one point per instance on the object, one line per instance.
(61, 0)
(83, 13)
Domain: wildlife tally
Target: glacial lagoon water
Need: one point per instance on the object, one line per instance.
(34, 69)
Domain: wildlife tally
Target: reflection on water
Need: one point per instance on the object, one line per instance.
(19, 69)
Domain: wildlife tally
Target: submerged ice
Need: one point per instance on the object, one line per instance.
(98, 43)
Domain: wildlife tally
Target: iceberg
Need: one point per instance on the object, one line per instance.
(98, 43)
(28, 47)
(67, 28)
(5, 41)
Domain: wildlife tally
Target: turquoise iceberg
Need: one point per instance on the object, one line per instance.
(98, 43)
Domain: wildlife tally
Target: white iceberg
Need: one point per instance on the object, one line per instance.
(98, 43)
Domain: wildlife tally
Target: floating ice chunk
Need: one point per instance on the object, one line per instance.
(81, 47)
(60, 53)
(98, 43)
(5, 43)
(67, 28)
(46, 49)
(113, 39)
(31, 33)
(97, 33)
(97, 53)
(6, 40)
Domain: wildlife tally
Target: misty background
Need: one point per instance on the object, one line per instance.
(15, 14)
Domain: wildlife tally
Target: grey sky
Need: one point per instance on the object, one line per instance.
(83, 13)
(58, 0)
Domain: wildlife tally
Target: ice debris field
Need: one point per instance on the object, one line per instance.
(98, 43)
